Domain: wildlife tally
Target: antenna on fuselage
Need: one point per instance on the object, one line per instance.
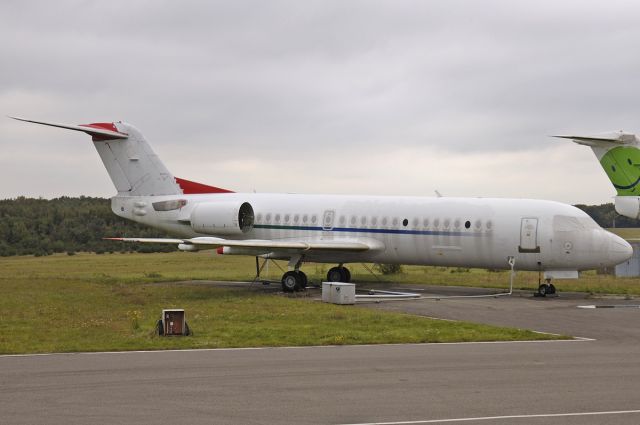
(438, 194)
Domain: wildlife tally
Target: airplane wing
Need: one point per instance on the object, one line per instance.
(315, 245)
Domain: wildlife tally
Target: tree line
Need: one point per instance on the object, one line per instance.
(46, 226)
(31, 226)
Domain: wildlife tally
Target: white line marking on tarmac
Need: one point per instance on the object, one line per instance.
(188, 350)
(610, 306)
(489, 418)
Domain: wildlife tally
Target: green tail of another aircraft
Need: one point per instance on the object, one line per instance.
(619, 155)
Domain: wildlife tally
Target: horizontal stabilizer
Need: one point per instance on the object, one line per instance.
(97, 130)
(605, 139)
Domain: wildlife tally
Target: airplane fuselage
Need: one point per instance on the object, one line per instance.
(464, 232)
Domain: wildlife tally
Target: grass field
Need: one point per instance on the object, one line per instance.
(91, 302)
(626, 233)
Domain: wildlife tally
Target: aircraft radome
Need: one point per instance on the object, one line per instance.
(538, 235)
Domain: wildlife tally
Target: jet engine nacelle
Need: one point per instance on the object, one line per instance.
(222, 218)
(628, 206)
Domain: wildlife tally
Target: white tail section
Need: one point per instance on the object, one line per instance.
(133, 166)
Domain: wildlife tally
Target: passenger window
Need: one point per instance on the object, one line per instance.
(305, 218)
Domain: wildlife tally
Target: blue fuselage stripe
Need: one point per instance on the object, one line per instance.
(367, 230)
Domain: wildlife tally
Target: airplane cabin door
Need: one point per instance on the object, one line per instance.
(529, 235)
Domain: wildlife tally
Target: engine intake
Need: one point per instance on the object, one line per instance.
(222, 218)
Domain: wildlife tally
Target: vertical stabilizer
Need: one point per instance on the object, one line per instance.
(133, 166)
(619, 156)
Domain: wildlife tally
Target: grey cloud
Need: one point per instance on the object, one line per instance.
(287, 79)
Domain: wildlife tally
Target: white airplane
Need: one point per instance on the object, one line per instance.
(545, 236)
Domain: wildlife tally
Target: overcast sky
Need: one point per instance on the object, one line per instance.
(369, 97)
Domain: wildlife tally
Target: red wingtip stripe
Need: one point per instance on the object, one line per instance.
(189, 188)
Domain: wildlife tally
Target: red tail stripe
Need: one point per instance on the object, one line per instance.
(103, 125)
(188, 187)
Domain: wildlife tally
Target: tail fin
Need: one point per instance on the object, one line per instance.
(619, 155)
(133, 166)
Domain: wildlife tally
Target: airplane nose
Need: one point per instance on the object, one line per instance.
(619, 249)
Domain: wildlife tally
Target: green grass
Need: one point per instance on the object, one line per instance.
(91, 302)
(626, 233)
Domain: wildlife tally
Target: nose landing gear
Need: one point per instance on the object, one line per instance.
(546, 288)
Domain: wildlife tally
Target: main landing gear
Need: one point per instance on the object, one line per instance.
(339, 274)
(295, 280)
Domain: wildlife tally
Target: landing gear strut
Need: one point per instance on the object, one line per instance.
(339, 274)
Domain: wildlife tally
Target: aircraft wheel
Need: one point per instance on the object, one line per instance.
(347, 275)
(543, 290)
(302, 284)
(552, 289)
(290, 281)
(336, 274)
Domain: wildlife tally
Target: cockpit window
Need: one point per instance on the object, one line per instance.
(568, 223)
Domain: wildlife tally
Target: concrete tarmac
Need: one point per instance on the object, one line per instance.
(594, 381)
